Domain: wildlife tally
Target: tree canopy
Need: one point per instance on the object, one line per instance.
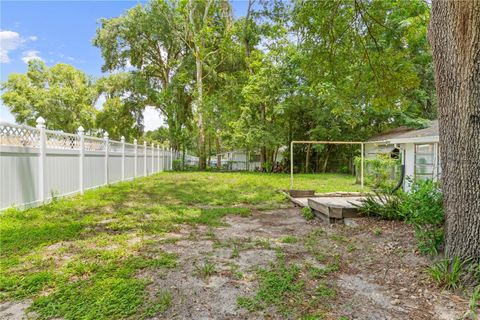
(328, 70)
(62, 94)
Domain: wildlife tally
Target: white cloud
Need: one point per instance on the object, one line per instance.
(9, 41)
(64, 57)
(152, 119)
(33, 38)
(30, 55)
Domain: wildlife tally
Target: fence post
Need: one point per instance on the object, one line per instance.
(122, 140)
(105, 138)
(144, 158)
(158, 155)
(153, 158)
(81, 157)
(135, 159)
(163, 158)
(171, 159)
(42, 158)
(167, 158)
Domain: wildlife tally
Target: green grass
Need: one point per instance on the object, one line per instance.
(324, 291)
(447, 272)
(289, 239)
(318, 273)
(79, 256)
(308, 213)
(206, 270)
(161, 304)
(291, 289)
(279, 285)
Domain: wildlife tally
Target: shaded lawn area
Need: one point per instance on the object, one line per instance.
(78, 257)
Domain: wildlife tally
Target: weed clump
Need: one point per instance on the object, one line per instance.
(308, 213)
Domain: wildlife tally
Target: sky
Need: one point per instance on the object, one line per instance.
(61, 31)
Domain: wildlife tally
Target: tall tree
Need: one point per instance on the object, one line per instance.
(61, 94)
(454, 35)
(122, 112)
(206, 25)
(147, 38)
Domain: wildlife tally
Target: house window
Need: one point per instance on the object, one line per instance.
(424, 161)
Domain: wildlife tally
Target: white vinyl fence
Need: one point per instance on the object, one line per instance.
(37, 163)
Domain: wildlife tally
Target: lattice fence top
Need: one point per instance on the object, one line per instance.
(94, 144)
(115, 146)
(17, 135)
(129, 148)
(26, 136)
(61, 140)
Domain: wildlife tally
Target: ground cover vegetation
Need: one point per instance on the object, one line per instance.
(214, 245)
(79, 257)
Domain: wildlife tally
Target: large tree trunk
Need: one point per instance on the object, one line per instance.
(263, 151)
(454, 35)
(218, 150)
(184, 152)
(325, 162)
(246, 35)
(202, 162)
(263, 158)
(209, 153)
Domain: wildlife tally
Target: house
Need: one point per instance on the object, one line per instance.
(233, 160)
(417, 148)
(236, 160)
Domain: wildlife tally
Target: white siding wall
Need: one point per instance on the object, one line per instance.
(409, 164)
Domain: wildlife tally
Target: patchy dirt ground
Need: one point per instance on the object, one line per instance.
(379, 275)
(372, 272)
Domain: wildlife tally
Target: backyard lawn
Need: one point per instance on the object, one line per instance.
(207, 245)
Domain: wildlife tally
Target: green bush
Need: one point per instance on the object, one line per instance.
(385, 206)
(177, 165)
(421, 207)
(380, 172)
(268, 166)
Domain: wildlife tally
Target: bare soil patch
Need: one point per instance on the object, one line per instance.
(380, 275)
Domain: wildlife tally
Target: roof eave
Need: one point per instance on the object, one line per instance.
(427, 139)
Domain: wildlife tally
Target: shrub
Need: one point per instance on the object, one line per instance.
(380, 172)
(268, 166)
(385, 206)
(177, 165)
(422, 208)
